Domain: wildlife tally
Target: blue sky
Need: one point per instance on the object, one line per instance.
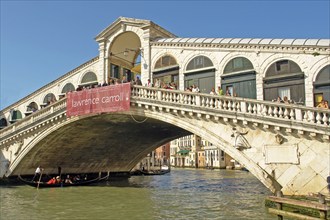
(42, 40)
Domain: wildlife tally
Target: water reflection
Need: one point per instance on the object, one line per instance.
(181, 194)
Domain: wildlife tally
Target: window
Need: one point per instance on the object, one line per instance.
(49, 98)
(114, 71)
(284, 91)
(89, 77)
(238, 64)
(165, 61)
(3, 122)
(32, 107)
(199, 62)
(68, 88)
(283, 67)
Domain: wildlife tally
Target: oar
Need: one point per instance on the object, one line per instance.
(40, 178)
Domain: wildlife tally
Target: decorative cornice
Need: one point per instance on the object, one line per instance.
(306, 49)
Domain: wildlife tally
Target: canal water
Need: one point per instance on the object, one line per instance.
(181, 194)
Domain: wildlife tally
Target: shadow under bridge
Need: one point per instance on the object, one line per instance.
(105, 142)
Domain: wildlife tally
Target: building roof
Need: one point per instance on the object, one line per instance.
(258, 41)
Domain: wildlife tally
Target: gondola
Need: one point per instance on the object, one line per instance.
(62, 184)
(150, 172)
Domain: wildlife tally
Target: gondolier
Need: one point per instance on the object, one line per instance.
(37, 173)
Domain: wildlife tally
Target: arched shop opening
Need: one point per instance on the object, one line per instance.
(15, 115)
(49, 99)
(32, 107)
(322, 86)
(166, 70)
(200, 71)
(285, 78)
(3, 123)
(124, 57)
(69, 87)
(239, 78)
(89, 80)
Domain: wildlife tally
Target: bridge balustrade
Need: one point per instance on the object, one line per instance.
(282, 113)
(265, 109)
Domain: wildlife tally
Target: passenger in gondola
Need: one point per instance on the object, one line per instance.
(58, 179)
(68, 179)
(76, 178)
(52, 181)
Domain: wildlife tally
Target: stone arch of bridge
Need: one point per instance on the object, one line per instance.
(187, 123)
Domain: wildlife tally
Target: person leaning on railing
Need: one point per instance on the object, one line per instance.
(323, 104)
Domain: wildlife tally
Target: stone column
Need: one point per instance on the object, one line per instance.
(103, 62)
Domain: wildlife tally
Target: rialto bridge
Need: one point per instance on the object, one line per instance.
(286, 146)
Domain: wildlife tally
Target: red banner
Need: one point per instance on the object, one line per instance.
(102, 99)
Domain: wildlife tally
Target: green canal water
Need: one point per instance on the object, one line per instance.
(181, 194)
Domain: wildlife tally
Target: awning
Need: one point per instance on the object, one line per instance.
(183, 152)
(136, 69)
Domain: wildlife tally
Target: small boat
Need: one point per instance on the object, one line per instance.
(38, 184)
(151, 172)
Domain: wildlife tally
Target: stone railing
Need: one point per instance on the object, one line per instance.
(306, 118)
(288, 114)
(57, 107)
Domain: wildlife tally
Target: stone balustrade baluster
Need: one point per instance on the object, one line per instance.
(311, 116)
(197, 100)
(292, 115)
(259, 109)
(212, 102)
(204, 102)
(250, 109)
(305, 118)
(220, 104)
(264, 110)
(190, 100)
(286, 113)
(325, 119)
(140, 93)
(318, 118)
(272, 112)
(255, 108)
(280, 113)
(225, 105)
(244, 106)
(185, 99)
(238, 107)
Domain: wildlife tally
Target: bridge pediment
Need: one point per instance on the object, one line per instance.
(123, 24)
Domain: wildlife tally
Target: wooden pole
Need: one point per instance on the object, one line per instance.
(279, 206)
(40, 178)
(323, 214)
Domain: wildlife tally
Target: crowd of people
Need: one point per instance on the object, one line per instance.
(172, 85)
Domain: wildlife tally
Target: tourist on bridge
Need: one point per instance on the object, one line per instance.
(219, 91)
(138, 81)
(212, 91)
(323, 104)
(157, 83)
(195, 88)
(149, 84)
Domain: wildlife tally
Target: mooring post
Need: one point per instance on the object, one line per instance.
(278, 204)
(323, 214)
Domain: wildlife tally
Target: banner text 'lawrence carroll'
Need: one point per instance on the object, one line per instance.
(102, 99)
